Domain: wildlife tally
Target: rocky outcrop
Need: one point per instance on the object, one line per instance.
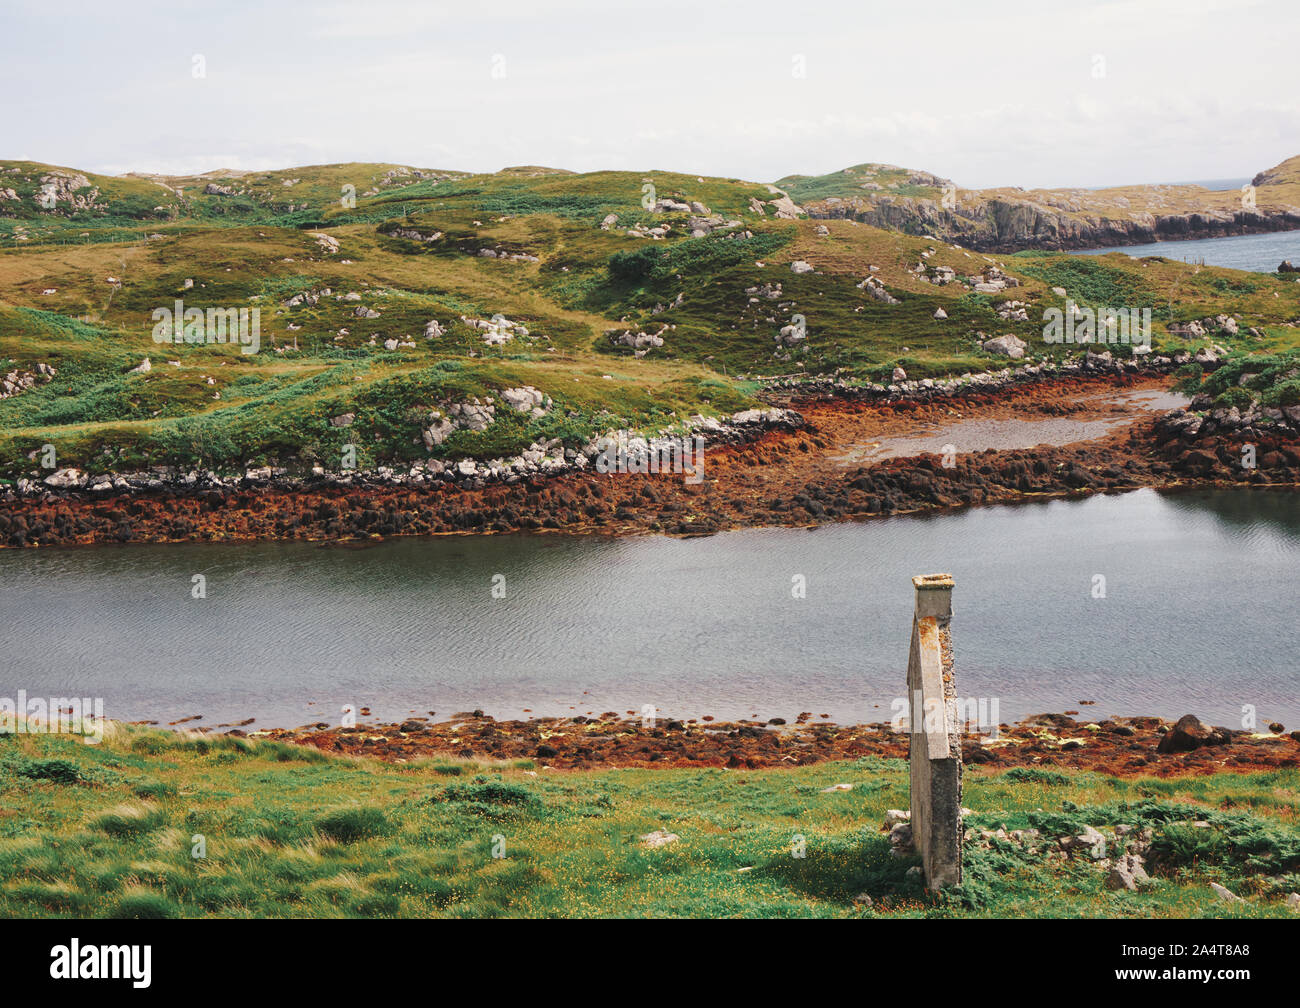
(411, 234)
(639, 342)
(498, 330)
(62, 191)
(1008, 220)
(877, 292)
(1009, 345)
(1255, 443)
(19, 380)
(527, 399)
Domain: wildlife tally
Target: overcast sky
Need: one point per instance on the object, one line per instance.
(1041, 93)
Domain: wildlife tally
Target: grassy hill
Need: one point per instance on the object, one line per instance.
(377, 286)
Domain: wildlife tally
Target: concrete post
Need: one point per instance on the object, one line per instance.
(935, 752)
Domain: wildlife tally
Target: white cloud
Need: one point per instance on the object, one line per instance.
(1002, 93)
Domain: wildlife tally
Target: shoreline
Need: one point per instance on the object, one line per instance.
(1118, 746)
(788, 474)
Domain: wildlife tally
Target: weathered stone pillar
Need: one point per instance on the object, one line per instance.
(935, 753)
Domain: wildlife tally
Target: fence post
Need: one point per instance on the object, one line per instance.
(935, 751)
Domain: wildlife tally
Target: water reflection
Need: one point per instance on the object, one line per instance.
(290, 632)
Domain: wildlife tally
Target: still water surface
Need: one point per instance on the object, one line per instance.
(1199, 615)
(1261, 253)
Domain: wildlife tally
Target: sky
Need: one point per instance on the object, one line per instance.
(1043, 93)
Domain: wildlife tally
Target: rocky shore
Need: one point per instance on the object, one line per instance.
(1014, 219)
(784, 465)
(1004, 224)
(1119, 746)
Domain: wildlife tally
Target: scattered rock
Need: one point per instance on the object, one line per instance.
(1128, 872)
(1009, 345)
(328, 243)
(1188, 734)
(527, 399)
(65, 478)
(872, 286)
(1091, 841)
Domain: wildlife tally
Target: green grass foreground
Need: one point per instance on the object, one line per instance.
(111, 830)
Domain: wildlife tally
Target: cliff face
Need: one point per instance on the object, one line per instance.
(1006, 220)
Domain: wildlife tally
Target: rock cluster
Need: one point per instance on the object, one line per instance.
(309, 298)
(1210, 444)
(527, 399)
(499, 253)
(791, 335)
(640, 342)
(411, 234)
(498, 330)
(1013, 311)
(1198, 329)
(64, 188)
(877, 291)
(676, 302)
(767, 291)
(548, 457)
(327, 243)
(992, 281)
(17, 380)
(981, 382)
(1118, 851)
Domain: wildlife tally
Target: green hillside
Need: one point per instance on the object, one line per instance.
(392, 293)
